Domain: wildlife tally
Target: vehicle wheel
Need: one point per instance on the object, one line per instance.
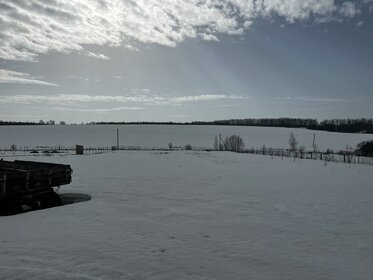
(10, 207)
(50, 200)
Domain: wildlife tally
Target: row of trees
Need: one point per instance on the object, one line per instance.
(234, 143)
(272, 122)
(362, 125)
(346, 125)
(41, 122)
(339, 125)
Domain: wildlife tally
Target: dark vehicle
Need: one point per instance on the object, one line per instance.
(30, 184)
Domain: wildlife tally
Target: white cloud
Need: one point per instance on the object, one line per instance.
(13, 77)
(293, 10)
(205, 97)
(209, 37)
(78, 99)
(75, 99)
(317, 99)
(78, 78)
(29, 28)
(360, 23)
(349, 9)
(97, 55)
(98, 110)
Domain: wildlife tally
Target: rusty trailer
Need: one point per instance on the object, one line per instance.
(31, 184)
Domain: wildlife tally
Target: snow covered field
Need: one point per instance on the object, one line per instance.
(160, 135)
(197, 215)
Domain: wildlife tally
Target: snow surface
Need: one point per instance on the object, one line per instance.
(160, 135)
(197, 215)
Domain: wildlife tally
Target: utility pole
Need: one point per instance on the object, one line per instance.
(117, 138)
(313, 143)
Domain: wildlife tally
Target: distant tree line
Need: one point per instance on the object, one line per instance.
(17, 123)
(143, 122)
(273, 122)
(41, 122)
(346, 125)
(362, 125)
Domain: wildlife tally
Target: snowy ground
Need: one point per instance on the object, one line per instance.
(149, 136)
(192, 215)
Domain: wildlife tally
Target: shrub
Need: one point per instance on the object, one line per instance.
(188, 147)
(234, 143)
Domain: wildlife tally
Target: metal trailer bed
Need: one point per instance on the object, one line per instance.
(30, 183)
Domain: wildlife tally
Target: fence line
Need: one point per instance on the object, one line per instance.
(344, 157)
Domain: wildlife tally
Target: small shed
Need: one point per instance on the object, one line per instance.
(79, 149)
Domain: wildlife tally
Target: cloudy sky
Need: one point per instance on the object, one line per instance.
(185, 60)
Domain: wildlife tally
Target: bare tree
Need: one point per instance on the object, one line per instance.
(349, 153)
(234, 143)
(221, 143)
(293, 142)
(216, 143)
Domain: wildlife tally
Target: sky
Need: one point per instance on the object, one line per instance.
(185, 60)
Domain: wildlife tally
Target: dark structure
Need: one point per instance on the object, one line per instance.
(79, 149)
(365, 149)
(30, 184)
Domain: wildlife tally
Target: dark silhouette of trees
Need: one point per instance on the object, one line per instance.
(41, 122)
(347, 125)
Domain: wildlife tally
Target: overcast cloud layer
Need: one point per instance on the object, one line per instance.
(29, 28)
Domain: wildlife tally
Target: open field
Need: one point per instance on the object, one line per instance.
(158, 136)
(196, 215)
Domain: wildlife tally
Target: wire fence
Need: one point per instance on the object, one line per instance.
(343, 157)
